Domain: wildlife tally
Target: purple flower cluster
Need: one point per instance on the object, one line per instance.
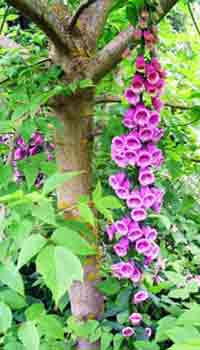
(137, 149)
(23, 150)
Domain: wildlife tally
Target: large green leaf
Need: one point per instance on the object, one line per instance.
(51, 327)
(44, 211)
(108, 202)
(73, 241)
(111, 286)
(165, 324)
(182, 334)
(59, 268)
(31, 246)
(190, 317)
(117, 341)
(57, 180)
(106, 340)
(5, 318)
(29, 336)
(190, 344)
(12, 299)
(34, 312)
(12, 278)
(86, 213)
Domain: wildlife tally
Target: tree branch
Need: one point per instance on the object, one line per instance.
(117, 99)
(4, 18)
(78, 13)
(175, 106)
(91, 22)
(50, 18)
(107, 99)
(193, 17)
(111, 54)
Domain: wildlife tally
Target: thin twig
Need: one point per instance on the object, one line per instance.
(4, 81)
(193, 18)
(78, 13)
(4, 18)
(178, 106)
(107, 99)
(116, 99)
(191, 122)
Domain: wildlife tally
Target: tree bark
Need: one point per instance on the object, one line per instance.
(74, 147)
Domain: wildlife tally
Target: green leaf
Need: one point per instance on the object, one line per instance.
(20, 110)
(109, 202)
(175, 277)
(86, 83)
(117, 341)
(31, 246)
(5, 318)
(59, 268)
(132, 14)
(146, 345)
(164, 220)
(86, 214)
(12, 299)
(165, 324)
(106, 340)
(30, 170)
(13, 344)
(6, 175)
(179, 293)
(6, 126)
(182, 334)
(109, 287)
(83, 329)
(73, 241)
(190, 317)
(28, 334)
(44, 211)
(58, 179)
(12, 278)
(97, 193)
(51, 327)
(192, 287)
(193, 344)
(123, 316)
(34, 312)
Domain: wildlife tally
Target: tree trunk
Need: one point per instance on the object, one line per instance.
(73, 150)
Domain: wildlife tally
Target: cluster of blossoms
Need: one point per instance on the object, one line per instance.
(23, 150)
(137, 148)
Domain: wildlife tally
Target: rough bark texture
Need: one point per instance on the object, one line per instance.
(73, 147)
(74, 153)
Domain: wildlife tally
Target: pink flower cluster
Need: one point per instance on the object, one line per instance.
(139, 199)
(137, 149)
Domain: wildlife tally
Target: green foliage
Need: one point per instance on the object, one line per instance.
(28, 334)
(59, 268)
(183, 331)
(40, 253)
(72, 240)
(5, 318)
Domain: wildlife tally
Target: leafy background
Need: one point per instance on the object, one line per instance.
(34, 304)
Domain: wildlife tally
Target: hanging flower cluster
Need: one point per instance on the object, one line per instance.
(138, 148)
